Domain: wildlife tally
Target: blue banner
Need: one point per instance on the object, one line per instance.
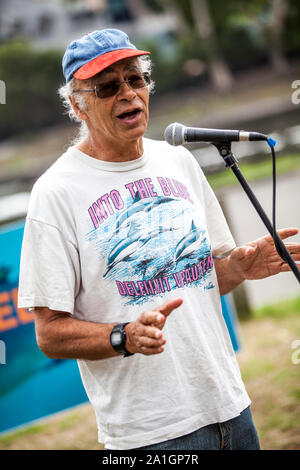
(31, 385)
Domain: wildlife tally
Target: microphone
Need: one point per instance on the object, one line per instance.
(177, 134)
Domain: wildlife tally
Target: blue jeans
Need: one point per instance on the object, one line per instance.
(236, 434)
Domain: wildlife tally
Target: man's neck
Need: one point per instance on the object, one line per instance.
(120, 152)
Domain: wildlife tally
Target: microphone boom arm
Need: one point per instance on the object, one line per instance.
(224, 149)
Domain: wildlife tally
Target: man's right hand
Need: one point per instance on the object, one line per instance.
(144, 336)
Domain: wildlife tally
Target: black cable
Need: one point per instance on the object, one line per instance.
(275, 235)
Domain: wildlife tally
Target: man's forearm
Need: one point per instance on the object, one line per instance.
(65, 337)
(228, 277)
(61, 336)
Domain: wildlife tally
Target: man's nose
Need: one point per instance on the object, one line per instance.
(125, 91)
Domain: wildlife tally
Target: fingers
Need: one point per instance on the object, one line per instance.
(143, 338)
(158, 316)
(285, 267)
(292, 247)
(151, 318)
(249, 248)
(150, 346)
(294, 250)
(169, 306)
(285, 233)
(145, 335)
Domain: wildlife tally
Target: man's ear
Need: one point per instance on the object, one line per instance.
(77, 110)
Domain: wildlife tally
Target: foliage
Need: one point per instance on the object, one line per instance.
(281, 309)
(31, 78)
(241, 37)
(168, 66)
(242, 26)
(292, 30)
(271, 378)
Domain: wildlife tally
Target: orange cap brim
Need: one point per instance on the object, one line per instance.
(103, 61)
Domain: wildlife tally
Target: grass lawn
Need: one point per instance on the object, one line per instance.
(256, 170)
(270, 368)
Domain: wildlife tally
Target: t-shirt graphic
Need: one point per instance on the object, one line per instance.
(152, 245)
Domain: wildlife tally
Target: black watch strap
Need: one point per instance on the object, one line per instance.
(118, 339)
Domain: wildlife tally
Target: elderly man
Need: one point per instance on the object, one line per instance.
(125, 255)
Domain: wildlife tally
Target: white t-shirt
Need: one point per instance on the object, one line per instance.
(106, 241)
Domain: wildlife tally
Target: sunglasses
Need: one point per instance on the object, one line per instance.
(111, 88)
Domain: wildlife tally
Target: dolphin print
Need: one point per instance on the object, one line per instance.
(186, 246)
(140, 205)
(131, 244)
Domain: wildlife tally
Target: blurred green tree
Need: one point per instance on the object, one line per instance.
(31, 77)
(199, 20)
(276, 27)
(238, 34)
(265, 21)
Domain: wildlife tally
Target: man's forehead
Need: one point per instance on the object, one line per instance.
(131, 63)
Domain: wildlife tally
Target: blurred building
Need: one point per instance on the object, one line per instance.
(53, 23)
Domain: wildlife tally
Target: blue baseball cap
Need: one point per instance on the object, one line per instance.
(94, 52)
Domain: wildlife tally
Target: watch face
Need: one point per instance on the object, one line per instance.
(116, 338)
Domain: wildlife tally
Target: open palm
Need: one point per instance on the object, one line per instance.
(259, 259)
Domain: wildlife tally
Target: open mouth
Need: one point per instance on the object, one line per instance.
(129, 114)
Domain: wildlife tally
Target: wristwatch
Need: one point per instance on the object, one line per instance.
(118, 339)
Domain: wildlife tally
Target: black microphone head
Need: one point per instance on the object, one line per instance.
(174, 134)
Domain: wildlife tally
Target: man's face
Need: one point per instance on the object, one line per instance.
(123, 117)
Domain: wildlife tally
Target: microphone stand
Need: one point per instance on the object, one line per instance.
(224, 149)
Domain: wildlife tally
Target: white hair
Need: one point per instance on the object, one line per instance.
(66, 90)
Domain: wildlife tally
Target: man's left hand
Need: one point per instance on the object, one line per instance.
(259, 259)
